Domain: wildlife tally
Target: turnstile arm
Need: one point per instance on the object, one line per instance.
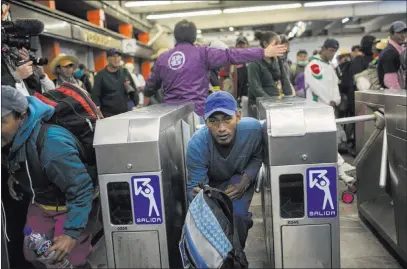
(380, 124)
(356, 119)
(383, 163)
(367, 146)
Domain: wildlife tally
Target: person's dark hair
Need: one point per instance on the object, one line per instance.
(316, 52)
(81, 66)
(366, 44)
(185, 32)
(302, 52)
(356, 47)
(284, 39)
(264, 37)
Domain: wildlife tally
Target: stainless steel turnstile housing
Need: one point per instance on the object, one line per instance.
(142, 177)
(384, 205)
(299, 192)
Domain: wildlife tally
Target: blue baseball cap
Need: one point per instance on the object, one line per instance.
(220, 101)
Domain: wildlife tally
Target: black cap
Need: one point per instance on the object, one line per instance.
(112, 52)
(331, 43)
(242, 40)
(398, 27)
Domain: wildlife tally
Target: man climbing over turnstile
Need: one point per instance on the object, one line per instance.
(321, 83)
(226, 154)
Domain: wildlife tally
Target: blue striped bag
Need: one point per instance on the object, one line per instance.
(209, 238)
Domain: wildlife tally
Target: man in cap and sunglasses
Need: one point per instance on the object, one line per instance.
(226, 154)
(63, 67)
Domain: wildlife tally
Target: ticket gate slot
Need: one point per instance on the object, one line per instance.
(142, 178)
(299, 186)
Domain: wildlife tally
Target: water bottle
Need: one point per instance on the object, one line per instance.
(39, 244)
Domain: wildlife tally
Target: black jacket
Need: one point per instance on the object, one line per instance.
(110, 94)
(262, 79)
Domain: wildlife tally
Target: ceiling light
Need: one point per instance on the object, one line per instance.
(198, 31)
(334, 3)
(231, 29)
(160, 3)
(294, 30)
(261, 8)
(345, 20)
(146, 3)
(185, 14)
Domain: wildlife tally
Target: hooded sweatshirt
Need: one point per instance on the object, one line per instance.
(59, 160)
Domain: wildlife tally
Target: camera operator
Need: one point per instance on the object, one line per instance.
(39, 80)
(20, 69)
(27, 78)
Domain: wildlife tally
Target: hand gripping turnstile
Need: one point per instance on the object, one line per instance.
(142, 176)
(299, 183)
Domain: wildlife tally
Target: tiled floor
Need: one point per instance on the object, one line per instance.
(359, 247)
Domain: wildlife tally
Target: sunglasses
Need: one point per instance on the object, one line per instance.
(69, 66)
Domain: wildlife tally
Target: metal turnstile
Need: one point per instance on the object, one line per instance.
(299, 186)
(142, 176)
(382, 169)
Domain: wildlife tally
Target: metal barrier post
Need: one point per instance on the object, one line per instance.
(142, 177)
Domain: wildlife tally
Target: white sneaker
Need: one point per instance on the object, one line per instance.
(347, 167)
(344, 176)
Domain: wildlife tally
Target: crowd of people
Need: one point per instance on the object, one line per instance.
(226, 154)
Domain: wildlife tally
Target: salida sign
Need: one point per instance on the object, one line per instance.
(147, 200)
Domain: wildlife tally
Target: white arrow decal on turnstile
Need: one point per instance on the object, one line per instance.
(313, 181)
(148, 192)
(144, 182)
(323, 186)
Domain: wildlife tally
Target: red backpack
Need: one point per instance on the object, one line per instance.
(76, 112)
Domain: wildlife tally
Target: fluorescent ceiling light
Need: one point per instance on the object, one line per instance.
(146, 3)
(345, 20)
(231, 29)
(158, 3)
(334, 3)
(185, 14)
(198, 31)
(261, 8)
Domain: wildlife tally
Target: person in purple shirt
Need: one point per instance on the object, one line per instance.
(183, 70)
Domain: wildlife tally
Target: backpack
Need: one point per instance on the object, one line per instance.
(209, 237)
(368, 79)
(76, 112)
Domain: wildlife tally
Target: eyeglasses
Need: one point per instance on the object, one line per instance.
(216, 121)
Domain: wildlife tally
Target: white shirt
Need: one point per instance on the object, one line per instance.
(321, 82)
(20, 86)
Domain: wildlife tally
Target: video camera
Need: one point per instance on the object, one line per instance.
(22, 34)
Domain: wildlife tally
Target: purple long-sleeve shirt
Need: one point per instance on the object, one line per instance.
(183, 71)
